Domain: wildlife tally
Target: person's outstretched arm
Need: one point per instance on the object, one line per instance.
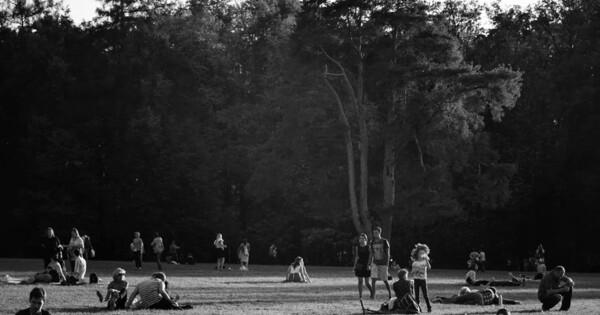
(132, 297)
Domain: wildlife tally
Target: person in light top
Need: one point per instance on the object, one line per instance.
(420, 265)
(220, 246)
(78, 273)
(244, 255)
(116, 291)
(137, 249)
(158, 247)
(297, 272)
(75, 243)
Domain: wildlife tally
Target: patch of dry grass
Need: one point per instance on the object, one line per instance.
(261, 291)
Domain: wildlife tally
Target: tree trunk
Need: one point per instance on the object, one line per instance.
(364, 151)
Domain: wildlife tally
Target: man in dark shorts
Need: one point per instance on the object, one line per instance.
(554, 288)
(380, 256)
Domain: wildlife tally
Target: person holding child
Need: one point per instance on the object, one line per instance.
(420, 265)
(116, 291)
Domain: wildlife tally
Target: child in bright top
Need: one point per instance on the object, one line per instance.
(420, 265)
(116, 292)
(137, 249)
(220, 246)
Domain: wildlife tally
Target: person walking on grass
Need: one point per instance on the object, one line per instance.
(556, 287)
(420, 265)
(362, 257)
(220, 246)
(75, 243)
(157, 247)
(380, 257)
(244, 255)
(37, 298)
(50, 246)
(137, 249)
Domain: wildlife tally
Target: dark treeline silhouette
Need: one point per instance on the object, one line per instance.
(206, 117)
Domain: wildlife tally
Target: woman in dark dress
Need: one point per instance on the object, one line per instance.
(362, 259)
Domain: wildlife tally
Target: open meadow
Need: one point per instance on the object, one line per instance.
(261, 291)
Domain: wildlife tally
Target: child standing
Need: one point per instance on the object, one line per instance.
(420, 265)
(220, 250)
(244, 255)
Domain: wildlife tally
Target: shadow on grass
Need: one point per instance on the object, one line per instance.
(93, 309)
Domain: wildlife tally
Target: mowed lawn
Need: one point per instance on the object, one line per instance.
(261, 291)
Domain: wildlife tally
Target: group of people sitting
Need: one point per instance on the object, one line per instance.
(55, 272)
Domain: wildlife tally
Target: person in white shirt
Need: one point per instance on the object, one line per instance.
(78, 273)
(75, 243)
(152, 294)
(158, 247)
(297, 271)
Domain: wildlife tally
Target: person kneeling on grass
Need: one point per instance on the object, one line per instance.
(116, 292)
(467, 296)
(297, 272)
(153, 295)
(471, 279)
(37, 298)
(554, 288)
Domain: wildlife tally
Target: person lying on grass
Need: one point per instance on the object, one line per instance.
(153, 295)
(556, 287)
(53, 273)
(467, 296)
(471, 279)
(37, 298)
(116, 292)
(297, 272)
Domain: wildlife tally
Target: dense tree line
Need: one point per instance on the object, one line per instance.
(301, 123)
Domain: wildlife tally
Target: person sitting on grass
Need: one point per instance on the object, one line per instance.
(297, 272)
(53, 273)
(404, 290)
(554, 288)
(78, 274)
(153, 295)
(471, 279)
(116, 292)
(466, 296)
(37, 298)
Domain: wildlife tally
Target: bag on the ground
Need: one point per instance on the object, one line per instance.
(93, 278)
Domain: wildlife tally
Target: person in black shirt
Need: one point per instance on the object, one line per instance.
(50, 246)
(362, 257)
(37, 298)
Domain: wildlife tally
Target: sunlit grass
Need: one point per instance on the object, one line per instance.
(261, 291)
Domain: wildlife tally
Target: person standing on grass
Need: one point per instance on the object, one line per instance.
(556, 287)
(50, 246)
(174, 251)
(244, 254)
(220, 246)
(158, 247)
(420, 265)
(380, 257)
(75, 243)
(137, 248)
(362, 257)
(37, 298)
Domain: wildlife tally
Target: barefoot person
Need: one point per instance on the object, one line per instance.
(116, 292)
(362, 257)
(37, 298)
(556, 287)
(380, 257)
(420, 265)
(471, 279)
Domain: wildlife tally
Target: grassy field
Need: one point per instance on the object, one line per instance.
(261, 291)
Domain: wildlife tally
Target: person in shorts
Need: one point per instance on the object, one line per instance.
(380, 257)
(362, 257)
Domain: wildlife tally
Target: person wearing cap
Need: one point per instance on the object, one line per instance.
(116, 292)
(152, 294)
(556, 287)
